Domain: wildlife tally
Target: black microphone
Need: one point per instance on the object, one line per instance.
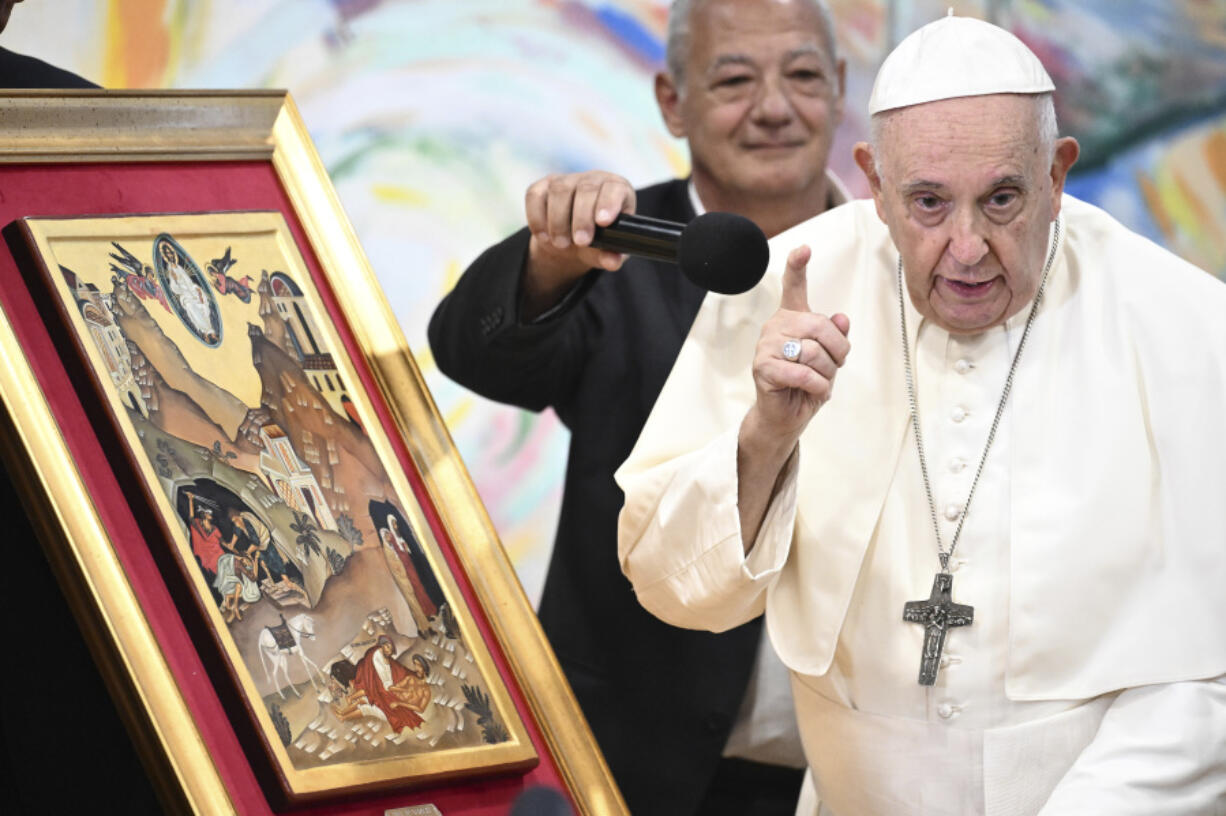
(718, 251)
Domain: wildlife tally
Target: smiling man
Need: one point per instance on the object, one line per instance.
(689, 722)
(963, 445)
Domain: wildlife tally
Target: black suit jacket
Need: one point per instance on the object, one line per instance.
(660, 700)
(20, 71)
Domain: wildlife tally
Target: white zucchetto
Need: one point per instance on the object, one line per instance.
(953, 57)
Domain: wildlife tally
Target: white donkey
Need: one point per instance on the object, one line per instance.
(277, 643)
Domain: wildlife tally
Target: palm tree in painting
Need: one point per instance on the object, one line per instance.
(307, 540)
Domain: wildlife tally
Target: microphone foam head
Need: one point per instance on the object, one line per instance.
(723, 252)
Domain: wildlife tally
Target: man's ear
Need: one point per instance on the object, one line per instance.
(668, 97)
(866, 160)
(1067, 151)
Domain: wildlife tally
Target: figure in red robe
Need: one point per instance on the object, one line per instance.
(399, 693)
(206, 540)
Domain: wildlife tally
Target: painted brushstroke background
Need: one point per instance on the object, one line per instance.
(433, 116)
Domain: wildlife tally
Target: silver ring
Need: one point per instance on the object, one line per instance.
(791, 350)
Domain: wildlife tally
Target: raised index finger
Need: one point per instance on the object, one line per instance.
(795, 281)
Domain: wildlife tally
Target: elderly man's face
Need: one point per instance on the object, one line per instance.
(761, 97)
(969, 195)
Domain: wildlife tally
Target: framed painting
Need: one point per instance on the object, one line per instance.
(248, 496)
(318, 577)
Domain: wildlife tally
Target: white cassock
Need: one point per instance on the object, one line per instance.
(1094, 553)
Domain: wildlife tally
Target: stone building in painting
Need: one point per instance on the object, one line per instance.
(291, 478)
(108, 339)
(305, 340)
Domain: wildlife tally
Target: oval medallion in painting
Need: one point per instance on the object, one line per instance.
(187, 291)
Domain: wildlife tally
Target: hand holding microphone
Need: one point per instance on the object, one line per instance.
(565, 210)
(586, 220)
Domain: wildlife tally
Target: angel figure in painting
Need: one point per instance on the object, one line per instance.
(138, 277)
(225, 284)
(399, 693)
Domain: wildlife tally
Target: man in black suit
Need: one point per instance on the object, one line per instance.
(690, 722)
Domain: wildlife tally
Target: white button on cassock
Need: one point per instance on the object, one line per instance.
(963, 366)
(952, 511)
(958, 414)
(946, 710)
(957, 465)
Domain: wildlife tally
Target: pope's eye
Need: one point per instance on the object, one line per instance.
(1003, 198)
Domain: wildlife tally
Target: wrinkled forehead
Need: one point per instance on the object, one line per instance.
(991, 134)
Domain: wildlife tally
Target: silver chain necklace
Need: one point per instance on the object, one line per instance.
(939, 613)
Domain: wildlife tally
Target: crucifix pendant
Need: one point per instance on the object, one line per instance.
(937, 614)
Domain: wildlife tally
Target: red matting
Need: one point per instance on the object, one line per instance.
(106, 189)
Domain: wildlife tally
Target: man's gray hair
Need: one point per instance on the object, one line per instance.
(681, 15)
(1049, 130)
(1045, 120)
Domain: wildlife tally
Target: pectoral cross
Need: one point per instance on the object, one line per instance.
(938, 614)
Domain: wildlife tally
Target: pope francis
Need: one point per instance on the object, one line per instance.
(992, 549)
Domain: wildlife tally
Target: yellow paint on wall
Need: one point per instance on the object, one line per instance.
(138, 44)
(456, 416)
(451, 275)
(1153, 201)
(396, 194)
(1187, 223)
(1173, 200)
(1198, 217)
(424, 358)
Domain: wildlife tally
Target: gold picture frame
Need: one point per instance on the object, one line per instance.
(122, 135)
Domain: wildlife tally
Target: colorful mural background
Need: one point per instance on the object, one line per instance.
(433, 116)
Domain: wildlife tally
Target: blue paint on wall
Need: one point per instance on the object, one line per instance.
(627, 28)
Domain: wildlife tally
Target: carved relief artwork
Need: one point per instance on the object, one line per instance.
(285, 505)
